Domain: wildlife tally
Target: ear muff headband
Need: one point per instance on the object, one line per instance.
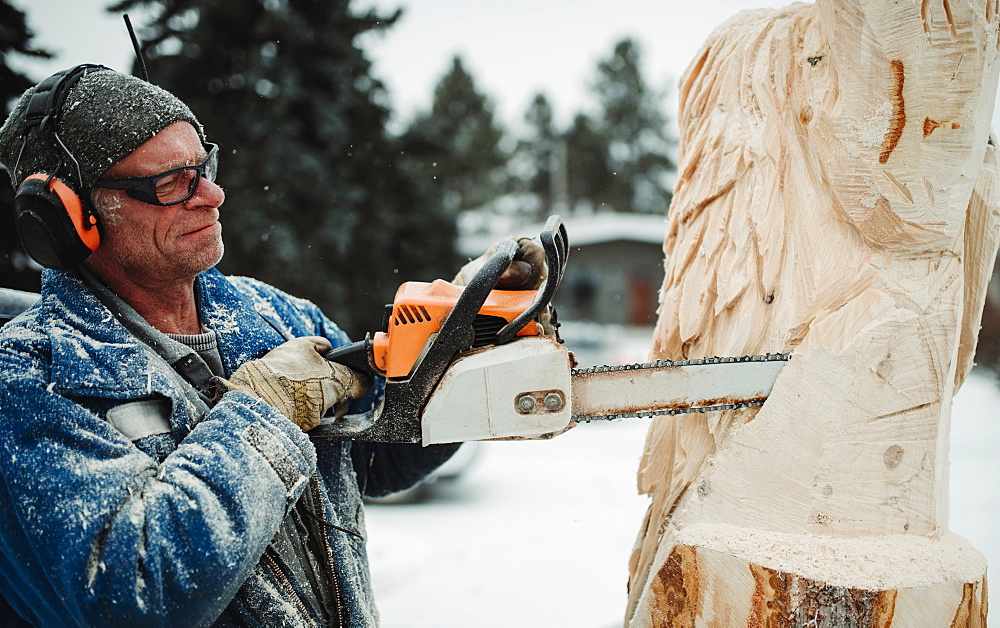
(57, 228)
(45, 104)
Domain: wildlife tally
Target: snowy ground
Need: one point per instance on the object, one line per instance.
(538, 534)
(975, 473)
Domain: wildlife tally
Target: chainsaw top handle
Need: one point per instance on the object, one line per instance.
(554, 242)
(456, 333)
(556, 246)
(397, 419)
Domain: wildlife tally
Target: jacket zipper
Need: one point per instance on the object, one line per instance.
(317, 499)
(287, 586)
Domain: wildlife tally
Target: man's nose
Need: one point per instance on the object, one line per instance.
(207, 193)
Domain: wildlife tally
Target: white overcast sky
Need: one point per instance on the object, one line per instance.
(514, 48)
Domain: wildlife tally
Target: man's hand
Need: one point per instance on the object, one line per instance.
(526, 272)
(299, 382)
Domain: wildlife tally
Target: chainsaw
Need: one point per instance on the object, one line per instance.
(477, 363)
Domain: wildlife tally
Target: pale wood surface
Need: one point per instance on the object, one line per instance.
(837, 199)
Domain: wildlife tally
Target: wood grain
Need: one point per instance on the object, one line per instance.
(836, 199)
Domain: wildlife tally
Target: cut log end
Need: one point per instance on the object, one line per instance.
(697, 586)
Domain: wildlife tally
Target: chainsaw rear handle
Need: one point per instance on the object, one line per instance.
(356, 355)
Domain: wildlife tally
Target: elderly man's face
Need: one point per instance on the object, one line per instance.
(151, 244)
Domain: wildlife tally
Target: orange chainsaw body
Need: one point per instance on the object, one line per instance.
(420, 309)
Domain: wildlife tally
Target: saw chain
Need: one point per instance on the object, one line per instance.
(660, 364)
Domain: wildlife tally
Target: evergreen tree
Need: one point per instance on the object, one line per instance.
(458, 144)
(542, 151)
(316, 203)
(15, 39)
(590, 180)
(635, 125)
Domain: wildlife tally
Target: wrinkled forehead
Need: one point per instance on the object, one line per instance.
(178, 144)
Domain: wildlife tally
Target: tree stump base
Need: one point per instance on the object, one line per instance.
(721, 575)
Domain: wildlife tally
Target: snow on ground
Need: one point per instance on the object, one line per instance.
(975, 473)
(534, 534)
(538, 534)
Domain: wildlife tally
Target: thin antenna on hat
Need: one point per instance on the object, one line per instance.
(135, 45)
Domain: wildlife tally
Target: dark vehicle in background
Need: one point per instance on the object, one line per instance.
(13, 302)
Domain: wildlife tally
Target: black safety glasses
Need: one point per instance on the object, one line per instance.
(170, 187)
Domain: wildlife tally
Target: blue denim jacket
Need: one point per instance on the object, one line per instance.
(173, 528)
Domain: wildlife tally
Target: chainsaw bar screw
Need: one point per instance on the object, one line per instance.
(526, 403)
(553, 401)
(539, 401)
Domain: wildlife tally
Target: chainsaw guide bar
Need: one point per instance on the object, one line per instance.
(671, 387)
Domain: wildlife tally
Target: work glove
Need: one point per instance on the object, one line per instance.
(527, 272)
(299, 382)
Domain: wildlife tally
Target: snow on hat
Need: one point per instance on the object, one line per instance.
(105, 117)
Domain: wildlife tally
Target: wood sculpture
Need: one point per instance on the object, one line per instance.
(837, 199)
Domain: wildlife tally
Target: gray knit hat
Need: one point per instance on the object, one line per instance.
(105, 117)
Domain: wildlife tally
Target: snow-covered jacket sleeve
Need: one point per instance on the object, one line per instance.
(104, 531)
(386, 468)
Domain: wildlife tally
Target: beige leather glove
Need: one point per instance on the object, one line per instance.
(299, 382)
(526, 272)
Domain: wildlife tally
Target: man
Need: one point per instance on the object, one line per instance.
(135, 491)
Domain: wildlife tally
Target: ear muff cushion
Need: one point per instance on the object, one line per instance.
(52, 225)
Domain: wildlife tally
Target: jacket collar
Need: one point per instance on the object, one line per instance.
(239, 319)
(94, 355)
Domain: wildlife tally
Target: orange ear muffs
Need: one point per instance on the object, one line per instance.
(53, 224)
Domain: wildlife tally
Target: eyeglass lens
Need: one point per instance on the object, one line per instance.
(181, 184)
